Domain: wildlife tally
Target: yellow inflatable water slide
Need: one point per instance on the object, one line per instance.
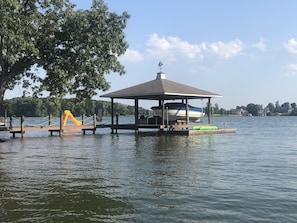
(67, 114)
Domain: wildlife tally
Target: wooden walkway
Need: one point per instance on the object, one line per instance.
(60, 128)
(53, 129)
(63, 129)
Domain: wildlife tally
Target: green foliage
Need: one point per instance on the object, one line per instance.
(18, 51)
(253, 109)
(42, 107)
(80, 49)
(76, 48)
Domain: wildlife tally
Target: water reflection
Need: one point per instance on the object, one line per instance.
(63, 204)
(60, 183)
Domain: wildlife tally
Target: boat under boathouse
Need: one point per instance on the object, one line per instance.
(161, 90)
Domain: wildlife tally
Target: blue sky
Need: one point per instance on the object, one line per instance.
(244, 50)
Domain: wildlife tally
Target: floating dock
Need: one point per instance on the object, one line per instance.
(203, 132)
(174, 129)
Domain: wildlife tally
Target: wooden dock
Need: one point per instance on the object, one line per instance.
(190, 132)
(69, 129)
(176, 129)
(60, 129)
(173, 128)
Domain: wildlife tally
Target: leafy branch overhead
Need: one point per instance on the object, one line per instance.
(75, 48)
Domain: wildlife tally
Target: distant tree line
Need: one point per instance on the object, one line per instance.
(272, 109)
(41, 107)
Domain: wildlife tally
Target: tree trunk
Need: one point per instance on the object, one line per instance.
(2, 92)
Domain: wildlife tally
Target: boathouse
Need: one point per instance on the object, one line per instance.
(162, 90)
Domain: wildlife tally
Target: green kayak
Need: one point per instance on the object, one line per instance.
(205, 127)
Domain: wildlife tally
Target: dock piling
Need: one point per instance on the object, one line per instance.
(22, 126)
(61, 124)
(50, 119)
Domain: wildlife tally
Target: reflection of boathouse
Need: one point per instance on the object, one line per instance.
(161, 90)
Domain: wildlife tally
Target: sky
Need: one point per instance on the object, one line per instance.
(244, 50)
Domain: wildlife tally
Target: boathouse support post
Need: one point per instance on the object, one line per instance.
(136, 105)
(112, 114)
(163, 112)
(117, 123)
(209, 110)
(167, 119)
(187, 112)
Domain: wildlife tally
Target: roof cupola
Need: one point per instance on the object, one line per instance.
(160, 75)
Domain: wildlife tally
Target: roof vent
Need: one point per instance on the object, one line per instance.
(160, 75)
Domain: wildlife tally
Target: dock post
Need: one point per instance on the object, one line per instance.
(22, 126)
(82, 119)
(94, 119)
(10, 122)
(61, 124)
(49, 119)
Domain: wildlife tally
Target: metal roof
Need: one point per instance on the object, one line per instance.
(159, 89)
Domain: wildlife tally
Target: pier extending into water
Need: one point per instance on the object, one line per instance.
(55, 126)
(85, 125)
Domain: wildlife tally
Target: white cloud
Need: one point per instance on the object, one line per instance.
(132, 56)
(293, 67)
(291, 46)
(171, 48)
(261, 45)
(226, 50)
(292, 70)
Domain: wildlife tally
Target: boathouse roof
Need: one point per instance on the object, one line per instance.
(159, 89)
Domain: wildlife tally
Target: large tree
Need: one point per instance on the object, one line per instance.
(75, 48)
(18, 52)
(82, 48)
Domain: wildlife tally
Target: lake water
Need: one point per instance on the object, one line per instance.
(249, 176)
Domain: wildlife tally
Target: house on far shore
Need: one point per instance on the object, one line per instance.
(237, 112)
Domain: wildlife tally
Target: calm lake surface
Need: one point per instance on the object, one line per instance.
(249, 176)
